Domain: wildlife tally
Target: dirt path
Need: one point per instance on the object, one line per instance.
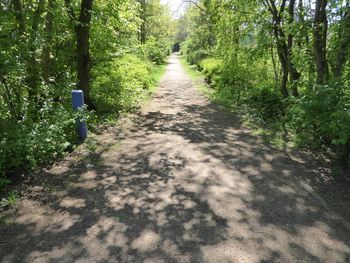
(182, 182)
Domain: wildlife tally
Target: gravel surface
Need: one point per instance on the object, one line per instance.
(183, 181)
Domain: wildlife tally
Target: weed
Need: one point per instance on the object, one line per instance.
(10, 201)
(91, 144)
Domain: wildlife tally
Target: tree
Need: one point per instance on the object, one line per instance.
(156, 21)
(46, 53)
(249, 46)
(320, 28)
(344, 42)
(83, 49)
(82, 32)
(293, 72)
(49, 47)
(143, 16)
(284, 44)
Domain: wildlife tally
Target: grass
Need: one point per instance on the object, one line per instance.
(157, 75)
(273, 133)
(118, 218)
(91, 144)
(197, 77)
(6, 221)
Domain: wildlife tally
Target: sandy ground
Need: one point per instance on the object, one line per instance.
(183, 181)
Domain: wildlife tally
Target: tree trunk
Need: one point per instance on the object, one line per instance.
(320, 28)
(294, 75)
(143, 23)
(32, 66)
(46, 54)
(21, 30)
(275, 70)
(83, 50)
(143, 33)
(18, 10)
(344, 43)
(281, 45)
(306, 39)
(282, 54)
(284, 81)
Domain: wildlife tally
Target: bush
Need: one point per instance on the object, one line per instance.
(212, 68)
(26, 144)
(118, 85)
(195, 57)
(322, 117)
(265, 105)
(194, 50)
(236, 84)
(154, 51)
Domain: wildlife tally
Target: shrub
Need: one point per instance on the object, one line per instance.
(195, 57)
(322, 116)
(212, 68)
(27, 143)
(265, 105)
(118, 85)
(234, 84)
(154, 51)
(194, 51)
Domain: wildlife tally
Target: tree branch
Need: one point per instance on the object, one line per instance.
(195, 3)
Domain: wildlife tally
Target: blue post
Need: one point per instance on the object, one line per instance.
(78, 102)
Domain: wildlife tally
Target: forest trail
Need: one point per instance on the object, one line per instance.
(183, 181)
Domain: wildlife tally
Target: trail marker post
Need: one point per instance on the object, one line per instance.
(77, 103)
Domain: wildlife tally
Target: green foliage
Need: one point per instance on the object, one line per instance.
(10, 201)
(91, 144)
(321, 117)
(119, 84)
(27, 143)
(249, 62)
(154, 51)
(195, 57)
(38, 69)
(212, 68)
(113, 29)
(4, 182)
(265, 105)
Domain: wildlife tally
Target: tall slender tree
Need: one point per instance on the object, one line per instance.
(344, 42)
(83, 50)
(320, 28)
(82, 31)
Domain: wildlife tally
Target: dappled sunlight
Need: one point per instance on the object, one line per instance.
(73, 202)
(147, 241)
(188, 183)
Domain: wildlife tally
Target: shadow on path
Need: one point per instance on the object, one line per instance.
(183, 182)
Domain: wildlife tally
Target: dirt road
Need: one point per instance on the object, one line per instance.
(182, 182)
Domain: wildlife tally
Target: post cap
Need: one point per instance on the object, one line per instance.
(77, 91)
